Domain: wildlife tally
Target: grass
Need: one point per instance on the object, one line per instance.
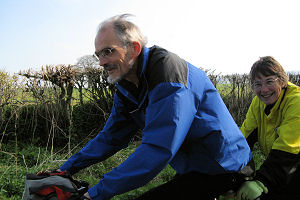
(31, 159)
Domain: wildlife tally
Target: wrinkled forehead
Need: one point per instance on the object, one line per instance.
(260, 72)
(263, 77)
(106, 37)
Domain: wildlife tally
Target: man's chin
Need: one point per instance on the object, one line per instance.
(113, 80)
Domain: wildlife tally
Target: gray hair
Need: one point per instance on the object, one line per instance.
(125, 30)
(268, 66)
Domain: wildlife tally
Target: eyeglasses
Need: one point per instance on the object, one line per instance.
(104, 53)
(257, 85)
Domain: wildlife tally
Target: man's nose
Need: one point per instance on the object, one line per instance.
(102, 61)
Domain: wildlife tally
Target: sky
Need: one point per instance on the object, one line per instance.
(226, 37)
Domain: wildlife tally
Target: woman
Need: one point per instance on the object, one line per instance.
(273, 119)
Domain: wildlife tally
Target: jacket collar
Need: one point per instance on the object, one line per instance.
(142, 64)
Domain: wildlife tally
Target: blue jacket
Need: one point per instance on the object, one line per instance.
(184, 123)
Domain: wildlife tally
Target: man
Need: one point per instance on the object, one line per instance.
(183, 119)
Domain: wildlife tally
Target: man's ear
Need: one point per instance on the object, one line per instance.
(137, 48)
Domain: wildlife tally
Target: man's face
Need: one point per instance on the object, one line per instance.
(113, 55)
(267, 88)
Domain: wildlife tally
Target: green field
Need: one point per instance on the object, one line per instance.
(30, 159)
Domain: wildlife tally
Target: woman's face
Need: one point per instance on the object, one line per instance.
(267, 88)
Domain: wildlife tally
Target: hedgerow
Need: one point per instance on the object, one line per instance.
(47, 115)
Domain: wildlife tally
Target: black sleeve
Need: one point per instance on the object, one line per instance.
(278, 169)
(252, 138)
(164, 66)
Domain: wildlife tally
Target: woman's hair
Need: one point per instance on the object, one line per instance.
(125, 30)
(268, 66)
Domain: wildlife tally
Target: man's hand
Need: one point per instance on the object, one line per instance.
(250, 190)
(41, 173)
(87, 196)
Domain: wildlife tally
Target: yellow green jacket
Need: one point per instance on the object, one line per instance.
(281, 128)
(278, 135)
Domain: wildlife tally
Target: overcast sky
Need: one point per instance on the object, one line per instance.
(225, 36)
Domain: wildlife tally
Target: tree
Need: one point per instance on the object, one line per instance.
(81, 78)
(93, 78)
